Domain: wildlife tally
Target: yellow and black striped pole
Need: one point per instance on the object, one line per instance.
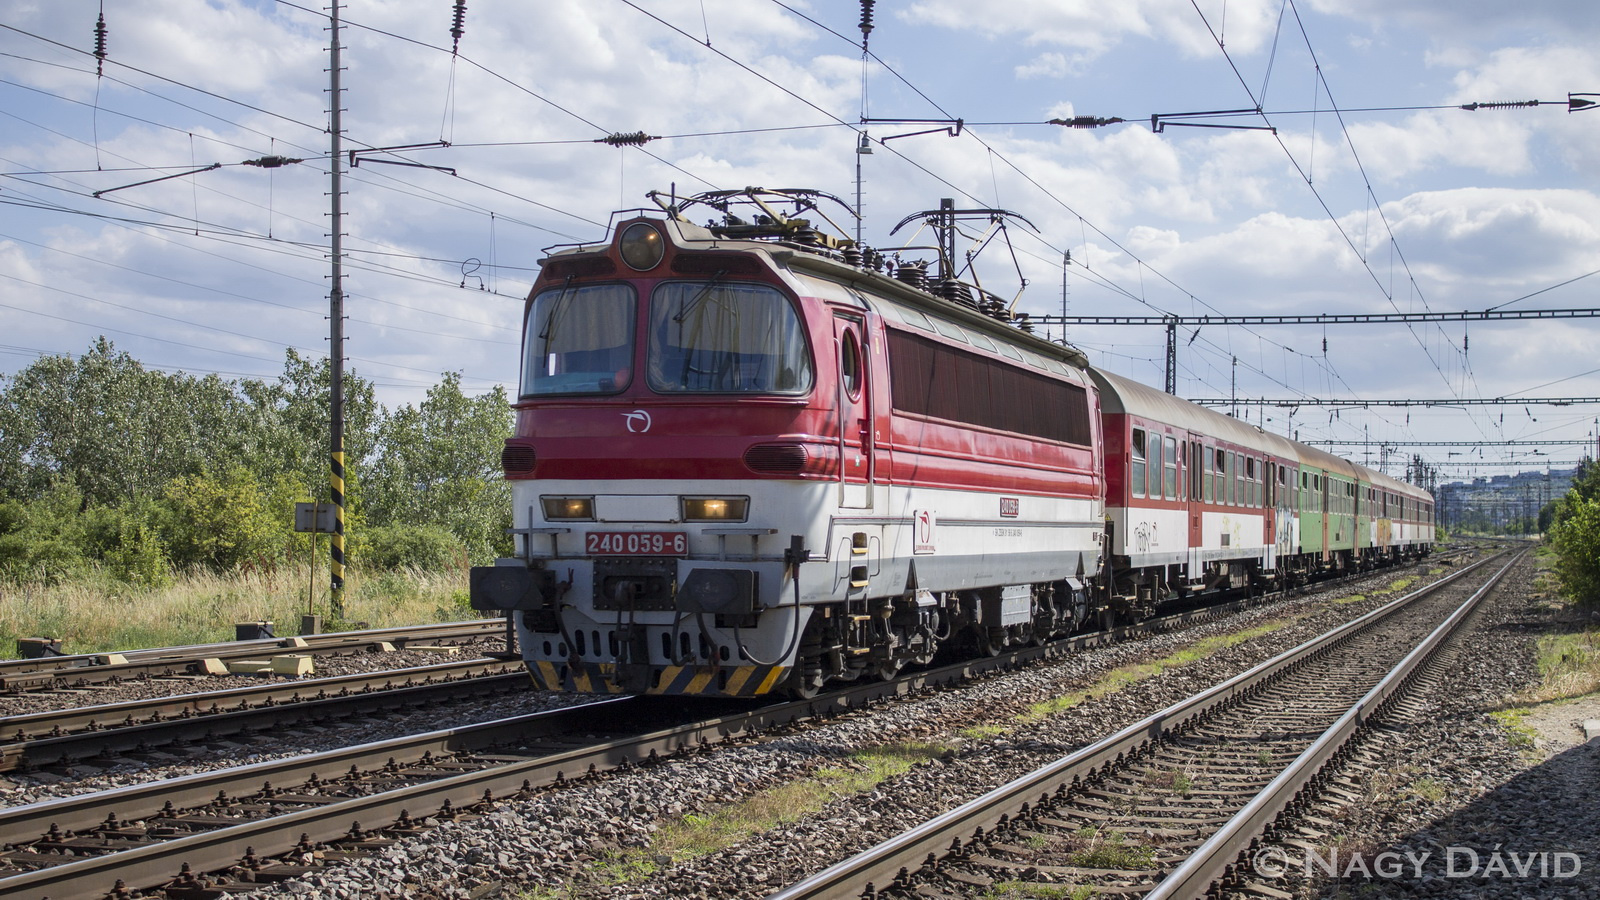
(336, 338)
(336, 541)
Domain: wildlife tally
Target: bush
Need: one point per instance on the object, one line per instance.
(421, 547)
(225, 519)
(139, 558)
(40, 558)
(1576, 539)
(37, 542)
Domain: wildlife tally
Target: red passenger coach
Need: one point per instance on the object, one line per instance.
(1194, 497)
(750, 457)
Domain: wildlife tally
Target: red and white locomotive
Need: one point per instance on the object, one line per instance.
(753, 458)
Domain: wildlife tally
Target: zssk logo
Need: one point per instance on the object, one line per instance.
(1010, 507)
(638, 421)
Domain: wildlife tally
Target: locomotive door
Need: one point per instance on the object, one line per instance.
(857, 466)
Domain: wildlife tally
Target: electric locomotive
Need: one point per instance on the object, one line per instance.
(751, 457)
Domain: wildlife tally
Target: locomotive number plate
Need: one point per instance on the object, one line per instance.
(636, 543)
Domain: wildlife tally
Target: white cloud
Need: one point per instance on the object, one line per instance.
(1045, 65)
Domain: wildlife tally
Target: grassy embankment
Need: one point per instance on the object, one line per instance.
(99, 614)
(1568, 660)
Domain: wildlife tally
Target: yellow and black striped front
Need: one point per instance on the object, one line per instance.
(694, 681)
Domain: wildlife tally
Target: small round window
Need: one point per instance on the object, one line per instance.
(850, 366)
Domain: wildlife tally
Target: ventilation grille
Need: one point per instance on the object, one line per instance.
(579, 267)
(776, 459)
(712, 263)
(517, 460)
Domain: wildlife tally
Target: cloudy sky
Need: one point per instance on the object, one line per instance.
(1374, 194)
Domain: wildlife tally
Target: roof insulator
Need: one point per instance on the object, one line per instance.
(458, 25)
(630, 139)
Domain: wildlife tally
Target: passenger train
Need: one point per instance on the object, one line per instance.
(753, 458)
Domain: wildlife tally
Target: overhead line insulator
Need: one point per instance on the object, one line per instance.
(458, 21)
(866, 22)
(1086, 121)
(630, 139)
(1506, 104)
(100, 45)
(272, 162)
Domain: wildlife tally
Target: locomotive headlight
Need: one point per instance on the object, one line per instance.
(571, 508)
(642, 246)
(715, 509)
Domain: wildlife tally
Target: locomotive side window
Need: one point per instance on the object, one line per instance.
(719, 338)
(928, 378)
(850, 365)
(579, 341)
(1136, 474)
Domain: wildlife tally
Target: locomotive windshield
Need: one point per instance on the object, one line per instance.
(711, 337)
(579, 341)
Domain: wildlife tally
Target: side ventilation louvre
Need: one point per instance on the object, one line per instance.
(517, 460)
(776, 459)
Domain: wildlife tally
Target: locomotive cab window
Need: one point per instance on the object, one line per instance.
(579, 340)
(708, 337)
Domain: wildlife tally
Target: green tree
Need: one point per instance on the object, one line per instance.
(111, 427)
(439, 464)
(1574, 533)
(284, 427)
(1576, 539)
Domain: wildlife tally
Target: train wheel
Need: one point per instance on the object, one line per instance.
(805, 680)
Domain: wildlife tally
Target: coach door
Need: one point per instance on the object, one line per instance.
(1195, 461)
(857, 466)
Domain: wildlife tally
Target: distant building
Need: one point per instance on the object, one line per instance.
(1502, 503)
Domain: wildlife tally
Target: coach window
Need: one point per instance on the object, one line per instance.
(1252, 489)
(1155, 466)
(1236, 474)
(1136, 474)
(1221, 478)
(1207, 454)
(1172, 468)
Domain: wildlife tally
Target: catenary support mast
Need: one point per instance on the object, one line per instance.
(336, 329)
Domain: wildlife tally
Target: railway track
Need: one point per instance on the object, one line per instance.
(65, 672)
(1165, 807)
(266, 821)
(272, 820)
(62, 736)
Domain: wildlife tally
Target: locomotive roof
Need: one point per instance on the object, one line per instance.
(783, 256)
(1124, 395)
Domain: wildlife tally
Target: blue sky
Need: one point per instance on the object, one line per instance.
(220, 271)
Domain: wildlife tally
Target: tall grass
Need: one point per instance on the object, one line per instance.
(96, 613)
